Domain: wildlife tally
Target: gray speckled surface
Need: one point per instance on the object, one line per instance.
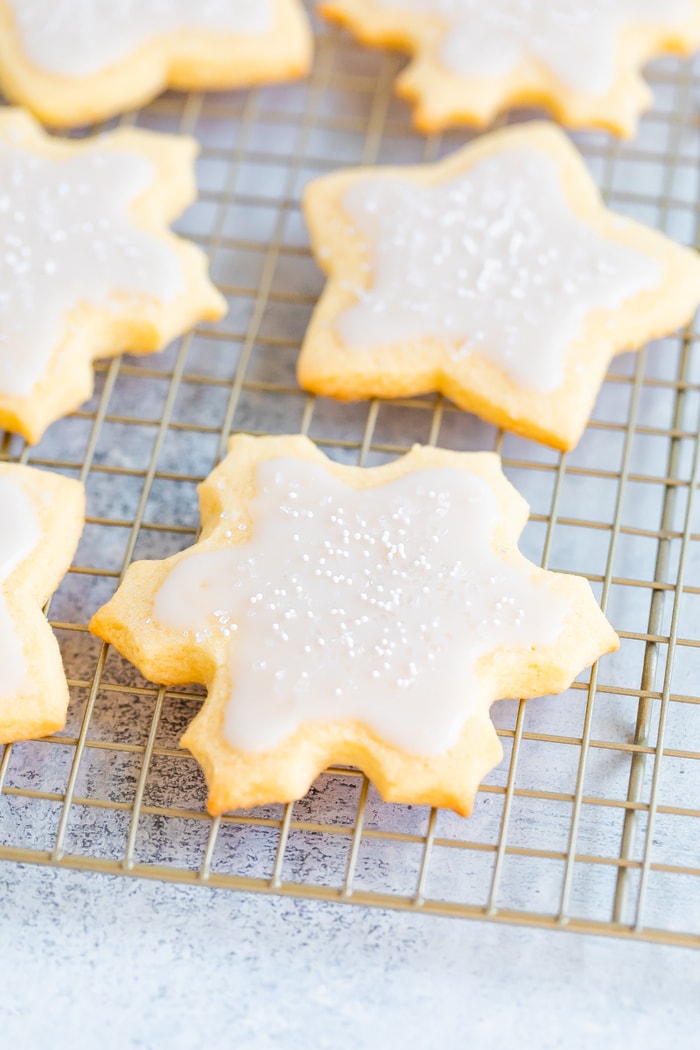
(90, 960)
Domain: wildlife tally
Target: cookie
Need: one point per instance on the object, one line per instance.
(361, 616)
(77, 61)
(496, 276)
(41, 519)
(475, 59)
(88, 267)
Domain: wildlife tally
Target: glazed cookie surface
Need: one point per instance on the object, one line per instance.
(89, 267)
(362, 616)
(78, 61)
(474, 60)
(41, 519)
(496, 276)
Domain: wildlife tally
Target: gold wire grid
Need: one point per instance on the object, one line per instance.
(592, 821)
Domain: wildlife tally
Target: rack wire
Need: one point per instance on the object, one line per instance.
(592, 821)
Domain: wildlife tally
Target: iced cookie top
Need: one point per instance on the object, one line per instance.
(20, 533)
(359, 605)
(494, 262)
(576, 41)
(82, 37)
(67, 240)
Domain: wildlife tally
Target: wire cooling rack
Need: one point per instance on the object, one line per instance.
(592, 820)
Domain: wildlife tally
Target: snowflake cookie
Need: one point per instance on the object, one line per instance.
(496, 276)
(88, 267)
(361, 616)
(77, 61)
(41, 519)
(477, 58)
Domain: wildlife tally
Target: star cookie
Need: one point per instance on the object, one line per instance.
(362, 616)
(88, 267)
(78, 61)
(41, 519)
(475, 59)
(496, 276)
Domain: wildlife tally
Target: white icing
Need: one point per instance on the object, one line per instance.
(370, 605)
(65, 240)
(19, 534)
(494, 261)
(77, 38)
(575, 39)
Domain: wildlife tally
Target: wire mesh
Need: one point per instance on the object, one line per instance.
(592, 820)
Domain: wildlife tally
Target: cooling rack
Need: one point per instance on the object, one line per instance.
(592, 820)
